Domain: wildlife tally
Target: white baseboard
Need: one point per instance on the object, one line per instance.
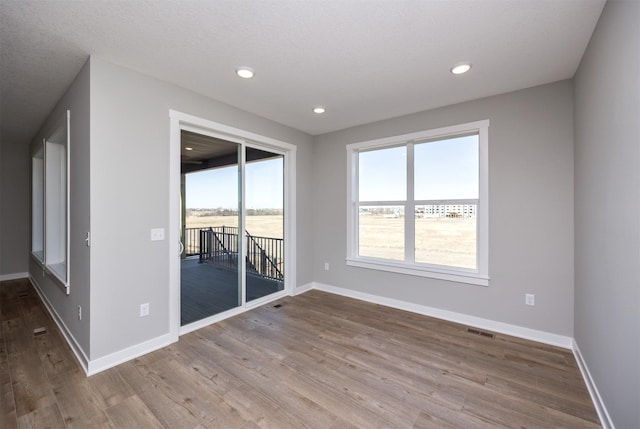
(97, 365)
(133, 352)
(122, 356)
(478, 322)
(91, 367)
(302, 289)
(490, 325)
(82, 358)
(14, 276)
(605, 419)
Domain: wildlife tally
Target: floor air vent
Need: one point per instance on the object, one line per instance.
(39, 331)
(481, 333)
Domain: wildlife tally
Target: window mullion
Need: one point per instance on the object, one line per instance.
(436, 226)
(354, 202)
(409, 210)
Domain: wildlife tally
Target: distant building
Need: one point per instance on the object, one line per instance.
(447, 210)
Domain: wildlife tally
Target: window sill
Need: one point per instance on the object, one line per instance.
(413, 270)
(38, 256)
(59, 273)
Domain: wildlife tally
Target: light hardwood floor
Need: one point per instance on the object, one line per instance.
(311, 361)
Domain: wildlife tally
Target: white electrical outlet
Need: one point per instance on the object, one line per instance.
(79, 312)
(530, 299)
(326, 266)
(144, 309)
(157, 234)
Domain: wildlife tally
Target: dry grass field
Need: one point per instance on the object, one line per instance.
(440, 241)
(259, 226)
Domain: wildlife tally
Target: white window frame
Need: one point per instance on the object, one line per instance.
(478, 276)
(37, 204)
(50, 228)
(183, 121)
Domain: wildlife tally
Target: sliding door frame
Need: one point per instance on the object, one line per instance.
(181, 121)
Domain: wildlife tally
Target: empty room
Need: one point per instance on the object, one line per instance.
(320, 214)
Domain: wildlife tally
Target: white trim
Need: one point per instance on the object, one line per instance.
(302, 289)
(242, 225)
(77, 350)
(14, 276)
(420, 135)
(415, 270)
(263, 300)
(95, 366)
(37, 204)
(290, 220)
(179, 121)
(91, 367)
(485, 324)
(464, 319)
(174, 226)
(67, 263)
(53, 189)
(225, 131)
(410, 209)
(477, 276)
(483, 203)
(125, 355)
(199, 324)
(603, 414)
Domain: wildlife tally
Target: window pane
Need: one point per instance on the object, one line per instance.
(381, 232)
(55, 194)
(210, 278)
(383, 174)
(447, 169)
(446, 235)
(264, 223)
(37, 205)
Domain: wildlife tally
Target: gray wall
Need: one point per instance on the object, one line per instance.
(75, 99)
(607, 206)
(130, 195)
(15, 217)
(531, 211)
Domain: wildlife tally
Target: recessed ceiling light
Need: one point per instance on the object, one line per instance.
(461, 68)
(188, 148)
(319, 110)
(245, 72)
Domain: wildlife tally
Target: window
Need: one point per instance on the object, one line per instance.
(417, 203)
(50, 202)
(37, 205)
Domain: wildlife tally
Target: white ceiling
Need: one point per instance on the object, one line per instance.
(365, 60)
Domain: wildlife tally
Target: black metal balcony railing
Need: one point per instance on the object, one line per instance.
(219, 245)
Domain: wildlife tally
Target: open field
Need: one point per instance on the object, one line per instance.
(259, 226)
(439, 241)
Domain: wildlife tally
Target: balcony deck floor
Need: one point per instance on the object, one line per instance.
(207, 289)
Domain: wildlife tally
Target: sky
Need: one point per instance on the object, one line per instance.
(210, 189)
(444, 169)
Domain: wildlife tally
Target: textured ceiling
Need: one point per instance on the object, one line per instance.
(365, 60)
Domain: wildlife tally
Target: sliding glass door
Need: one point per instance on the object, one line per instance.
(264, 221)
(232, 225)
(210, 281)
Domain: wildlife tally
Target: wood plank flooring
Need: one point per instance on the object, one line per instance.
(311, 361)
